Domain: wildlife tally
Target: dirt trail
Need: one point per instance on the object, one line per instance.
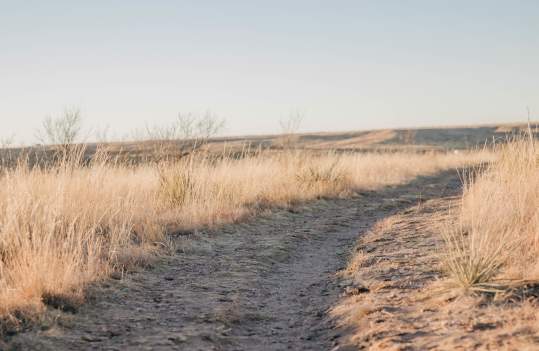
(267, 284)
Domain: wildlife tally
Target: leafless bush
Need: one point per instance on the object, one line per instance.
(61, 131)
(189, 126)
(207, 126)
(188, 130)
(289, 128)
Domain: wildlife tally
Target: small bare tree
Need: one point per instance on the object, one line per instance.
(61, 131)
(185, 123)
(187, 129)
(207, 126)
(289, 128)
(163, 132)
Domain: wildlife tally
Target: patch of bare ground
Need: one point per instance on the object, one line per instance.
(397, 301)
(266, 284)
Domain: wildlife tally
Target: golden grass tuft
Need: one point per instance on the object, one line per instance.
(61, 227)
(495, 243)
(176, 182)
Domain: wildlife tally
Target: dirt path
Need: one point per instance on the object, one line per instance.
(263, 285)
(405, 302)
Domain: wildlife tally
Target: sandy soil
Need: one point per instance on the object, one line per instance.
(268, 284)
(406, 303)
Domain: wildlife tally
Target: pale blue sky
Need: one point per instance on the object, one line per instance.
(345, 64)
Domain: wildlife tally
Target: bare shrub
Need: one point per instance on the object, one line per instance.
(186, 133)
(62, 131)
(207, 126)
(290, 128)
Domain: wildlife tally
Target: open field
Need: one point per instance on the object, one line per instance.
(269, 176)
(245, 248)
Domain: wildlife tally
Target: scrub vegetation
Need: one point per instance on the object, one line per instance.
(72, 222)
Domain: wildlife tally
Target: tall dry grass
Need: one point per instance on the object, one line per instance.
(209, 193)
(495, 243)
(65, 226)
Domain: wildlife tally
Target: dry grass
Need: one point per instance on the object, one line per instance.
(63, 227)
(213, 192)
(407, 307)
(495, 243)
(67, 225)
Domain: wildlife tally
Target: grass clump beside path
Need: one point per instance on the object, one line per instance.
(494, 246)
